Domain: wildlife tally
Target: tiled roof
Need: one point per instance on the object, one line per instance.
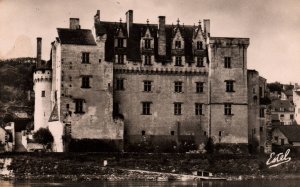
(277, 104)
(292, 132)
(136, 32)
(76, 36)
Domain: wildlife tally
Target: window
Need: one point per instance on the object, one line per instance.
(172, 133)
(178, 61)
(260, 92)
(67, 106)
(85, 82)
(147, 43)
(143, 133)
(119, 84)
(79, 106)
(147, 60)
(146, 108)
(229, 86)
(276, 138)
(147, 86)
(261, 129)
(227, 109)
(177, 108)
(200, 62)
(292, 116)
(281, 115)
(198, 108)
(120, 42)
(43, 93)
(178, 86)
(199, 45)
(199, 87)
(227, 62)
(177, 44)
(120, 59)
(85, 58)
(262, 112)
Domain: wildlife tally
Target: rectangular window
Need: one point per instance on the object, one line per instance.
(261, 129)
(120, 59)
(260, 92)
(172, 133)
(198, 108)
(147, 86)
(177, 44)
(119, 84)
(79, 106)
(199, 87)
(120, 42)
(146, 108)
(85, 82)
(178, 86)
(43, 93)
(200, 62)
(229, 86)
(85, 58)
(276, 138)
(227, 109)
(227, 62)
(177, 108)
(292, 116)
(143, 133)
(147, 43)
(199, 45)
(262, 112)
(178, 61)
(147, 60)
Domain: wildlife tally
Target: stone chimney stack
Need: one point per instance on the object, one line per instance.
(207, 27)
(38, 51)
(162, 35)
(74, 23)
(97, 17)
(129, 20)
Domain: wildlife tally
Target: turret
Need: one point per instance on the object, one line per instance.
(42, 78)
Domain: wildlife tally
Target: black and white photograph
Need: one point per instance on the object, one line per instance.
(150, 93)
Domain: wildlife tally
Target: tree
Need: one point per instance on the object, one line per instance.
(210, 146)
(44, 137)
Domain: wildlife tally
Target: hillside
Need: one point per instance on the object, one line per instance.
(16, 86)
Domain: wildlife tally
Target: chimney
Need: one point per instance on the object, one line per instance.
(74, 23)
(38, 51)
(97, 17)
(207, 27)
(129, 20)
(162, 36)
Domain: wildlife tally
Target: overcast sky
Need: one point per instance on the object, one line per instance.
(272, 25)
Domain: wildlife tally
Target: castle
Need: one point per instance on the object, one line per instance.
(131, 82)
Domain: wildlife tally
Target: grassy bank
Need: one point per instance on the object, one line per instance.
(89, 166)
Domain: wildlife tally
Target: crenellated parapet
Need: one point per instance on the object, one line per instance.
(42, 75)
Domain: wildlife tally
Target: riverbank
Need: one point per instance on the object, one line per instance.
(122, 166)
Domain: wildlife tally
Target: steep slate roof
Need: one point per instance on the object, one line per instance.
(137, 31)
(292, 132)
(76, 36)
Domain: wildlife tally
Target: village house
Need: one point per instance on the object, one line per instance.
(162, 83)
(286, 135)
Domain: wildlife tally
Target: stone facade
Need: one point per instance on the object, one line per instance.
(156, 82)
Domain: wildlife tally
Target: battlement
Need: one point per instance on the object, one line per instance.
(42, 75)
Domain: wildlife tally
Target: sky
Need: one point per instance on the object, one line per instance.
(272, 25)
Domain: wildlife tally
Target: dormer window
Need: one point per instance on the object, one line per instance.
(120, 59)
(178, 61)
(147, 60)
(177, 44)
(200, 62)
(147, 44)
(120, 42)
(199, 45)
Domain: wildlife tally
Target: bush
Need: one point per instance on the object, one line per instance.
(44, 137)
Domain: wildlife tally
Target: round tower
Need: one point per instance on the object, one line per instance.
(42, 79)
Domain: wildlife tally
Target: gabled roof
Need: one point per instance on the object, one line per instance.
(292, 132)
(76, 36)
(54, 114)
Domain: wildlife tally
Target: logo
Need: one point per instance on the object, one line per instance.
(280, 158)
